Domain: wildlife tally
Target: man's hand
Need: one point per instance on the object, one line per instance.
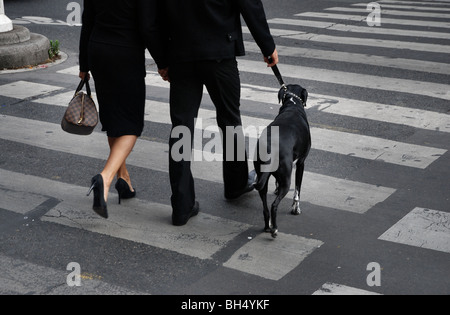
(164, 73)
(273, 61)
(83, 75)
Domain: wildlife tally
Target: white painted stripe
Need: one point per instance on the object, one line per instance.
(24, 89)
(360, 29)
(360, 146)
(356, 145)
(371, 60)
(346, 17)
(299, 73)
(338, 289)
(392, 114)
(404, 6)
(22, 277)
(386, 113)
(422, 228)
(393, 12)
(19, 202)
(143, 222)
(272, 259)
(380, 112)
(416, 118)
(150, 223)
(375, 43)
(322, 75)
(428, 3)
(341, 194)
(375, 149)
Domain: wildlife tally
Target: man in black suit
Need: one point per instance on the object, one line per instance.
(203, 39)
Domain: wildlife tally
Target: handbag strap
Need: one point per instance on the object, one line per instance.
(84, 82)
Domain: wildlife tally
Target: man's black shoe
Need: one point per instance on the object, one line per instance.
(249, 188)
(183, 220)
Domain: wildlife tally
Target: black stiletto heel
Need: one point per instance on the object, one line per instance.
(124, 191)
(100, 206)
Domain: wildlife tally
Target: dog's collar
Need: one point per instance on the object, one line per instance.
(293, 96)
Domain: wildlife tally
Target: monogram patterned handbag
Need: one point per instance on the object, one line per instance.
(81, 117)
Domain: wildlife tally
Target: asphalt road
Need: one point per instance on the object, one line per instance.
(377, 189)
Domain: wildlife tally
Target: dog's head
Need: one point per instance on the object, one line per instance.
(293, 93)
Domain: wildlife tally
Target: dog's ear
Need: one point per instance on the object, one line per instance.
(304, 96)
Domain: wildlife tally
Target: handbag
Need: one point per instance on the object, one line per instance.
(81, 117)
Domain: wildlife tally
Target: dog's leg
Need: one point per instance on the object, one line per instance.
(263, 195)
(276, 188)
(298, 185)
(282, 192)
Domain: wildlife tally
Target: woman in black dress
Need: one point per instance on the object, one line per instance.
(113, 39)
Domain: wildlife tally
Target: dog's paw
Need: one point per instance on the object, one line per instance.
(274, 233)
(296, 210)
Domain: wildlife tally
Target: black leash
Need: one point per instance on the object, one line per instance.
(277, 73)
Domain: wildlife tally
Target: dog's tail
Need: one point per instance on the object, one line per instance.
(262, 181)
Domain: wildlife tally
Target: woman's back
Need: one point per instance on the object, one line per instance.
(113, 22)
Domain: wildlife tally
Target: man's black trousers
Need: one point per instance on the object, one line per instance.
(221, 78)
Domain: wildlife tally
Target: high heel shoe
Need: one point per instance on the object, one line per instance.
(99, 206)
(124, 191)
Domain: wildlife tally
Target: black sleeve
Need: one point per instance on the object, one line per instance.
(88, 20)
(152, 31)
(255, 17)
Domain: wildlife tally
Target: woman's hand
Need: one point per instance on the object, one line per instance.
(164, 73)
(83, 75)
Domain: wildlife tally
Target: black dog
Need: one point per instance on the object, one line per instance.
(294, 144)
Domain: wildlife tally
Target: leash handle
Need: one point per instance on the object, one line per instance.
(277, 73)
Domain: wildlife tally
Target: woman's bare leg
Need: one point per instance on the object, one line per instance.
(120, 149)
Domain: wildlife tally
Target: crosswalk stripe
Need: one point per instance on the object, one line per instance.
(326, 140)
(404, 6)
(421, 88)
(427, 3)
(338, 289)
(381, 112)
(361, 18)
(22, 277)
(423, 228)
(360, 29)
(333, 141)
(23, 89)
(371, 60)
(393, 12)
(261, 256)
(341, 194)
(416, 118)
(143, 222)
(380, 43)
(148, 223)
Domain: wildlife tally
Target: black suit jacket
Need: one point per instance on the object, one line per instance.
(211, 29)
(129, 23)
